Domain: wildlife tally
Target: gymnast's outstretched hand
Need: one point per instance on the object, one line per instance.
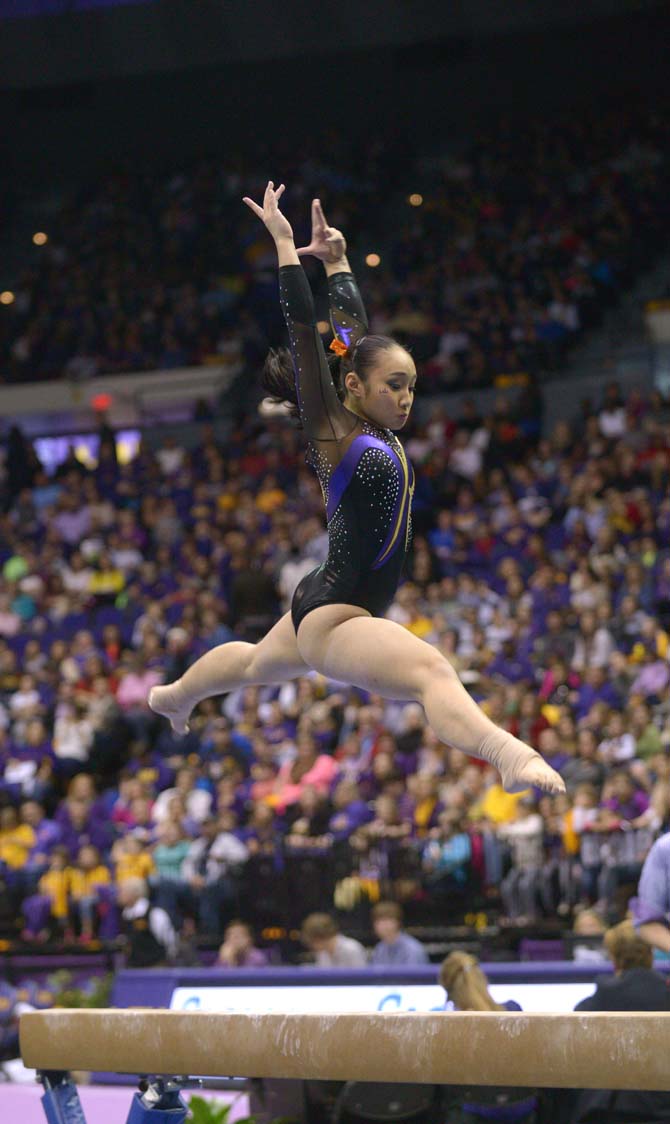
(277, 223)
(327, 244)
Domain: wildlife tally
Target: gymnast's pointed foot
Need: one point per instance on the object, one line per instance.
(531, 773)
(520, 767)
(169, 702)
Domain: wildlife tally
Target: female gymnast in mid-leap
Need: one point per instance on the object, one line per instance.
(336, 625)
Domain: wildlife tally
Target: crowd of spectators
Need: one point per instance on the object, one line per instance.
(540, 565)
(509, 251)
(543, 574)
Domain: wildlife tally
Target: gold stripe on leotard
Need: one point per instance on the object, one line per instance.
(409, 506)
(400, 453)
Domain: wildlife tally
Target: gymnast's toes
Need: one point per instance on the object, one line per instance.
(536, 774)
(162, 701)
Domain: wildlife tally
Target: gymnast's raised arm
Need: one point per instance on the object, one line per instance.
(347, 312)
(323, 416)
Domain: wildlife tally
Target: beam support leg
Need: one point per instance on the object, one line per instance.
(60, 1100)
(158, 1101)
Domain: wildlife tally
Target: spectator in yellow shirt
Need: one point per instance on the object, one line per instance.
(16, 839)
(424, 792)
(271, 496)
(496, 805)
(107, 580)
(406, 610)
(51, 902)
(131, 859)
(86, 878)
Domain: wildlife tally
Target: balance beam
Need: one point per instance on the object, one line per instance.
(589, 1051)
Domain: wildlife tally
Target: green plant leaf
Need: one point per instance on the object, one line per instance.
(99, 993)
(59, 980)
(207, 1112)
(202, 1111)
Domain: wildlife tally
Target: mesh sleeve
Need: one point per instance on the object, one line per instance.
(348, 318)
(323, 416)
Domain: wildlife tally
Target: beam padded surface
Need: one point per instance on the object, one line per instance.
(601, 1051)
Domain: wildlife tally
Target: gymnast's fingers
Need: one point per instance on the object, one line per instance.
(318, 215)
(253, 206)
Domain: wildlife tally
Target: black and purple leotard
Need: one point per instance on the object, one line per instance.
(366, 480)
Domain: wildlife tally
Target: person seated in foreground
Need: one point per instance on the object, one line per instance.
(468, 990)
(149, 937)
(467, 987)
(238, 949)
(633, 987)
(331, 948)
(395, 945)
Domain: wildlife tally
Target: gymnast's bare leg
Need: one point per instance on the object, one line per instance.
(274, 659)
(348, 644)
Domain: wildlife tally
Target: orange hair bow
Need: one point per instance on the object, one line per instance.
(339, 347)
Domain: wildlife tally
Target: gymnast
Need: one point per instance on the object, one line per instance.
(336, 624)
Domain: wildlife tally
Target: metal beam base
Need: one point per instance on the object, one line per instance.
(158, 1101)
(60, 1100)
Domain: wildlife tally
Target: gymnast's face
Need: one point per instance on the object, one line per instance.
(386, 396)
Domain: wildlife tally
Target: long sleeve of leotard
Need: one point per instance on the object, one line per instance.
(348, 318)
(323, 416)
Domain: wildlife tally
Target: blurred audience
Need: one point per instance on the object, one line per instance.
(514, 249)
(539, 566)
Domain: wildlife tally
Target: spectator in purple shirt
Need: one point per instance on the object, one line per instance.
(651, 908)
(549, 745)
(47, 835)
(80, 825)
(71, 521)
(238, 950)
(652, 681)
(263, 834)
(510, 665)
(350, 811)
(595, 688)
(626, 801)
